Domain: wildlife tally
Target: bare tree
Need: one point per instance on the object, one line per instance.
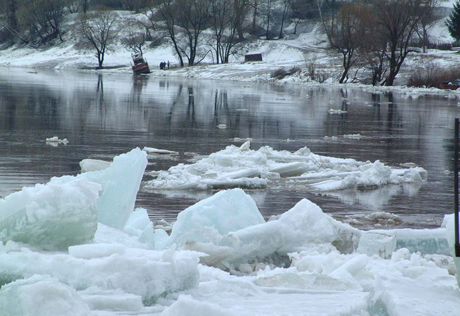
(286, 8)
(241, 8)
(136, 38)
(346, 35)
(255, 10)
(426, 21)
(327, 12)
(72, 5)
(224, 25)
(192, 18)
(167, 11)
(268, 16)
(188, 18)
(8, 18)
(303, 10)
(397, 22)
(42, 18)
(98, 32)
(84, 5)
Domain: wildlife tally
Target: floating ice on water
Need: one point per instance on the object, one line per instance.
(156, 151)
(229, 228)
(329, 266)
(55, 141)
(214, 217)
(246, 168)
(53, 215)
(41, 296)
(120, 183)
(237, 139)
(332, 111)
(294, 231)
(353, 136)
(88, 165)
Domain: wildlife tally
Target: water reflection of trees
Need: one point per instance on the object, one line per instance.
(29, 107)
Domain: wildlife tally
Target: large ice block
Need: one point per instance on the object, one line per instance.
(210, 219)
(53, 215)
(305, 223)
(381, 244)
(120, 184)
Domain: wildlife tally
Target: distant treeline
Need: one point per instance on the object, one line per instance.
(377, 34)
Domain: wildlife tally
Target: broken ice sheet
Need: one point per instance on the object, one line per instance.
(256, 169)
(53, 215)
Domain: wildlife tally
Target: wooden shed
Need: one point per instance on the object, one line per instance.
(253, 57)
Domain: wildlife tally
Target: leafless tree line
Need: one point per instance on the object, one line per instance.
(379, 33)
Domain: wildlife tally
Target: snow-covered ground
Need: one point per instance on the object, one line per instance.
(302, 50)
(75, 246)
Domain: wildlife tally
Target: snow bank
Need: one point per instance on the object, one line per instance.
(53, 215)
(246, 168)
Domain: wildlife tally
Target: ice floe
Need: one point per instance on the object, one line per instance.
(332, 111)
(245, 168)
(156, 151)
(55, 140)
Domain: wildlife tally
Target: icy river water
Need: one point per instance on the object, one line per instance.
(107, 114)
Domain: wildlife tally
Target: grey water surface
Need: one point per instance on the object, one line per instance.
(103, 115)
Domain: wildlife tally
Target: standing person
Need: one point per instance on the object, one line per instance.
(168, 64)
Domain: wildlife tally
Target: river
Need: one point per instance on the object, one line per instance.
(104, 115)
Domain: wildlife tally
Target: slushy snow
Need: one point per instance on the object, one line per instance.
(76, 246)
